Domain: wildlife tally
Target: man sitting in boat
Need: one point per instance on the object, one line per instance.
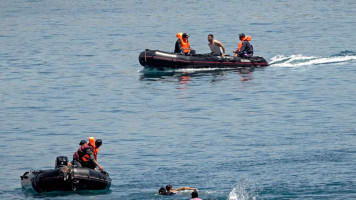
(98, 143)
(245, 48)
(215, 46)
(85, 157)
(182, 45)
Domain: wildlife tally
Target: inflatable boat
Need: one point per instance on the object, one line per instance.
(65, 178)
(161, 60)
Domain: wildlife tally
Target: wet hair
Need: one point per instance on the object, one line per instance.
(162, 191)
(169, 187)
(195, 194)
(211, 35)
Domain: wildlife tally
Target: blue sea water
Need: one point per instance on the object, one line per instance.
(69, 70)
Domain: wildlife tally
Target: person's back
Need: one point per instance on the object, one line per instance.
(79, 155)
(177, 46)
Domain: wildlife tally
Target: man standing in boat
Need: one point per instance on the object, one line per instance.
(84, 157)
(245, 49)
(182, 45)
(215, 46)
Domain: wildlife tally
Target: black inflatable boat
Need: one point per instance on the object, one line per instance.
(65, 178)
(161, 60)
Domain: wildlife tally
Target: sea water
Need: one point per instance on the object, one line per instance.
(70, 70)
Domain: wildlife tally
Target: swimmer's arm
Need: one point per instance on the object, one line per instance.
(185, 188)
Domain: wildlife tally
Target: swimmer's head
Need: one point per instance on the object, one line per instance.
(194, 194)
(162, 191)
(169, 187)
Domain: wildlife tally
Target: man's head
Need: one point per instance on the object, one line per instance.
(82, 142)
(241, 36)
(98, 143)
(162, 191)
(195, 194)
(185, 37)
(210, 37)
(169, 187)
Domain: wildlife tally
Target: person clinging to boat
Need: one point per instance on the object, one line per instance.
(182, 45)
(245, 49)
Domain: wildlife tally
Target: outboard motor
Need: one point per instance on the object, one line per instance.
(61, 161)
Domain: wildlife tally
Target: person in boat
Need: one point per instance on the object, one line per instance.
(84, 156)
(98, 143)
(195, 195)
(171, 190)
(82, 142)
(182, 45)
(215, 46)
(245, 49)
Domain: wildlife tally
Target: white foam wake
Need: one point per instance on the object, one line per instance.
(243, 191)
(300, 60)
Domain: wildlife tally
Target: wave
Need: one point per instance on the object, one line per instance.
(244, 190)
(300, 60)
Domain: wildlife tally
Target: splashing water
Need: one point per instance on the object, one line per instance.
(300, 60)
(243, 191)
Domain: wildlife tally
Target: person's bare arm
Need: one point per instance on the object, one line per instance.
(97, 164)
(90, 152)
(222, 46)
(185, 188)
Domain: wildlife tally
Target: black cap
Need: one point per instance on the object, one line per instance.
(98, 142)
(82, 142)
(185, 35)
(242, 35)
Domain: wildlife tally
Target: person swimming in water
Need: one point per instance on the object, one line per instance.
(162, 191)
(169, 190)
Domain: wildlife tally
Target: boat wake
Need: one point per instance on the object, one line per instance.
(300, 60)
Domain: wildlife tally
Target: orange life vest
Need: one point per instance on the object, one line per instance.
(185, 44)
(247, 38)
(86, 157)
(95, 152)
